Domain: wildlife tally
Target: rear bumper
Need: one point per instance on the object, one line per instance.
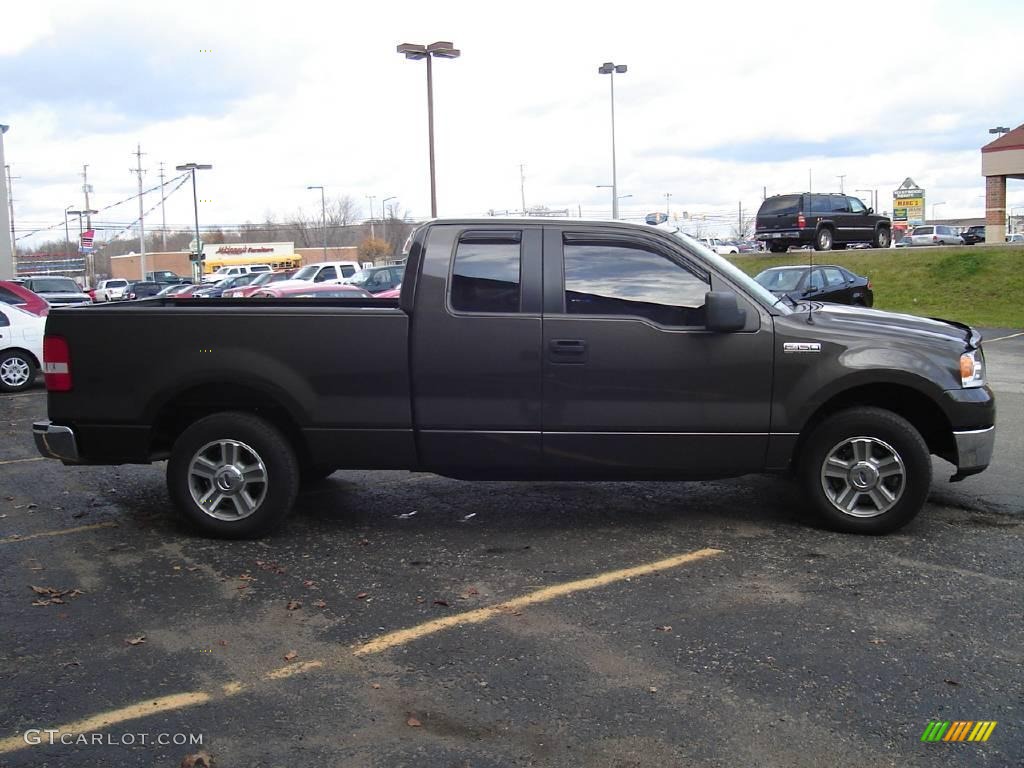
(973, 451)
(55, 442)
(786, 234)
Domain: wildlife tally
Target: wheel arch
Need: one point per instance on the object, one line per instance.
(926, 416)
(27, 352)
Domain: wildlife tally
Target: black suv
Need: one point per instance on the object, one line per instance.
(973, 235)
(823, 221)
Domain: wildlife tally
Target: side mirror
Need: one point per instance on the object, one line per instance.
(723, 312)
(871, 210)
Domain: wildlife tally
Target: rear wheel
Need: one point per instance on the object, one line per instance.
(882, 238)
(823, 240)
(233, 475)
(17, 371)
(778, 247)
(866, 470)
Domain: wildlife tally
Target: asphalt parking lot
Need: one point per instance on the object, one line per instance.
(410, 620)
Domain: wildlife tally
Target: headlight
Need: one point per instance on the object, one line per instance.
(972, 368)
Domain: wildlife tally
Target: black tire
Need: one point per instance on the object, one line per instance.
(253, 440)
(17, 370)
(886, 435)
(823, 239)
(778, 247)
(882, 239)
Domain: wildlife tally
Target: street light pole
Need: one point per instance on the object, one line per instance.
(371, 198)
(197, 263)
(934, 206)
(384, 215)
(415, 52)
(323, 214)
(67, 235)
(609, 68)
(6, 246)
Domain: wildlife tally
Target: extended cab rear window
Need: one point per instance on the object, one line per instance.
(486, 272)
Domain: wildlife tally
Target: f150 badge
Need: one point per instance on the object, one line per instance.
(801, 346)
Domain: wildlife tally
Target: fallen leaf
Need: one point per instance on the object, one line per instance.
(666, 628)
(43, 590)
(192, 568)
(73, 664)
(362, 595)
(245, 576)
(412, 722)
(223, 643)
(951, 682)
(405, 515)
(197, 760)
(876, 641)
(136, 640)
(309, 584)
(420, 599)
(176, 567)
(31, 506)
(375, 686)
(290, 655)
(364, 542)
(319, 604)
(40, 602)
(652, 689)
(471, 592)
(293, 605)
(468, 517)
(242, 586)
(442, 603)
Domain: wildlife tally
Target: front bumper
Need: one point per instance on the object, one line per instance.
(973, 451)
(55, 442)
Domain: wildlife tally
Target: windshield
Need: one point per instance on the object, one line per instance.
(361, 277)
(781, 279)
(307, 273)
(55, 285)
(727, 267)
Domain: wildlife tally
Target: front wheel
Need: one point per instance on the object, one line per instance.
(882, 238)
(823, 240)
(233, 475)
(17, 371)
(866, 470)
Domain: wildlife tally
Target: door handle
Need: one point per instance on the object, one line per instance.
(568, 346)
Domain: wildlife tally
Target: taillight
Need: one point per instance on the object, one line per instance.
(56, 364)
(801, 221)
(869, 285)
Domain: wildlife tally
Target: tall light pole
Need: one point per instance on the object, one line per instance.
(668, 199)
(373, 232)
(6, 242)
(197, 261)
(934, 206)
(999, 130)
(615, 200)
(384, 215)
(874, 203)
(323, 213)
(415, 52)
(67, 234)
(842, 178)
(609, 68)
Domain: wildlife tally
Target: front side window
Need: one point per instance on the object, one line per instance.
(856, 206)
(327, 273)
(606, 279)
(486, 273)
(834, 278)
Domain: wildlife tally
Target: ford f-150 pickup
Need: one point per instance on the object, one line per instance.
(521, 349)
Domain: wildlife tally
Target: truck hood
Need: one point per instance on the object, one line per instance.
(869, 322)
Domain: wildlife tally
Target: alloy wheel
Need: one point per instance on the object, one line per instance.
(863, 476)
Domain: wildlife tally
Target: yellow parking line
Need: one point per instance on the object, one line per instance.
(378, 645)
(21, 461)
(403, 636)
(61, 532)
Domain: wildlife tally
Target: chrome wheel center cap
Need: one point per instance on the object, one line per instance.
(863, 476)
(228, 479)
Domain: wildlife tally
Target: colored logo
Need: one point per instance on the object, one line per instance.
(958, 730)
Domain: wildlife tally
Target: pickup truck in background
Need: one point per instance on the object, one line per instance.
(521, 349)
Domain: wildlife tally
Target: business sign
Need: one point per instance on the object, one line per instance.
(256, 251)
(908, 206)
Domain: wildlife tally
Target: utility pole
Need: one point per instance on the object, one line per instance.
(522, 185)
(668, 197)
(86, 189)
(10, 198)
(163, 211)
(142, 224)
(371, 198)
(740, 229)
(841, 179)
(764, 193)
(6, 248)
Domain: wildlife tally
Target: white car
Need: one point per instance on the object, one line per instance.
(241, 269)
(327, 271)
(111, 290)
(720, 247)
(21, 348)
(1016, 238)
(935, 234)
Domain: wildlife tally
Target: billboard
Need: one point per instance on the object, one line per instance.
(908, 206)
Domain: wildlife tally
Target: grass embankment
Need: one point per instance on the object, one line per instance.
(978, 285)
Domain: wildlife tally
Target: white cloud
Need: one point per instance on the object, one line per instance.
(717, 104)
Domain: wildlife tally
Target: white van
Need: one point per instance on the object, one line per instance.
(234, 271)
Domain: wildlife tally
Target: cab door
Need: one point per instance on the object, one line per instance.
(634, 384)
(476, 340)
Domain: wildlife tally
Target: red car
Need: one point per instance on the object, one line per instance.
(394, 293)
(261, 280)
(305, 290)
(23, 298)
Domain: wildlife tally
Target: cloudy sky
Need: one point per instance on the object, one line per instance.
(721, 100)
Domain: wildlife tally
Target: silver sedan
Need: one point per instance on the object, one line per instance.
(935, 234)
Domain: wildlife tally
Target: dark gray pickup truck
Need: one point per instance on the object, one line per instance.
(522, 350)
